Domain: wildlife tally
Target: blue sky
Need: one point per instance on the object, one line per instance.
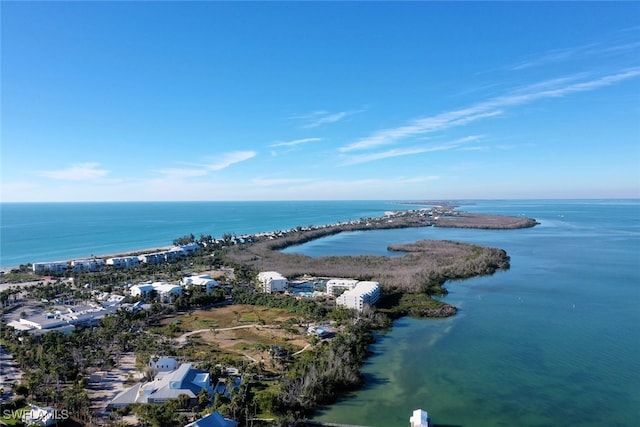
(122, 101)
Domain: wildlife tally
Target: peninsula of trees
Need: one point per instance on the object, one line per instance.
(421, 272)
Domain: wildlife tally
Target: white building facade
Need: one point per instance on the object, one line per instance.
(364, 293)
(203, 281)
(337, 286)
(167, 292)
(123, 262)
(272, 281)
(419, 418)
(50, 267)
(163, 363)
(141, 290)
(80, 265)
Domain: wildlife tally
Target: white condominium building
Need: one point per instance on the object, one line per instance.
(53, 267)
(419, 418)
(123, 262)
(336, 286)
(79, 265)
(272, 281)
(364, 293)
(202, 281)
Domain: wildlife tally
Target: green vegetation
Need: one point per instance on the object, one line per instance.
(484, 221)
(23, 273)
(421, 272)
(308, 308)
(11, 412)
(396, 304)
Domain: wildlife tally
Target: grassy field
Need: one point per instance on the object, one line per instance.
(229, 316)
(257, 330)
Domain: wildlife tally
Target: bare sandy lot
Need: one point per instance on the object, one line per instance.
(105, 385)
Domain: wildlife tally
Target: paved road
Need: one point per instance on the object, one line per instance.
(9, 373)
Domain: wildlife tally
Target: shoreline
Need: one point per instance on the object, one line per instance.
(6, 270)
(443, 215)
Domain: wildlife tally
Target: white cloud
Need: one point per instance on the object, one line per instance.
(475, 148)
(227, 159)
(556, 55)
(76, 172)
(557, 92)
(295, 142)
(193, 170)
(319, 118)
(590, 50)
(421, 126)
(492, 107)
(365, 158)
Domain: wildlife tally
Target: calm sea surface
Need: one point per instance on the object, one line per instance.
(553, 341)
(36, 232)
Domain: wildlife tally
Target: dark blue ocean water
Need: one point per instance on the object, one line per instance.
(553, 341)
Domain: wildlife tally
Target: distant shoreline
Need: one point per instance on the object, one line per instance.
(441, 215)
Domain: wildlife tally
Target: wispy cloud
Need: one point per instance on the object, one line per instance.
(76, 172)
(227, 159)
(526, 96)
(556, 55)
(422, 126)
(492, 107)
(319, 118)
(210, 164)
(475, 148)
(589, 50)
(295, 142)
(365, 158)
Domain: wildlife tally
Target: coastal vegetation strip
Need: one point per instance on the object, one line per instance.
(422, 271)
(484, 221)
(424, 267)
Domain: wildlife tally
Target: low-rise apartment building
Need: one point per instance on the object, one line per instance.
(272, 281)
(364, 293)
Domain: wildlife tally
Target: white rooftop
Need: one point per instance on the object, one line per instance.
(419, 418)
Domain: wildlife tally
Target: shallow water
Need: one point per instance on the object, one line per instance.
(553, 341)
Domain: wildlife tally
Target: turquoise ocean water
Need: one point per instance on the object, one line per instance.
(553, 341)
(36, 232)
